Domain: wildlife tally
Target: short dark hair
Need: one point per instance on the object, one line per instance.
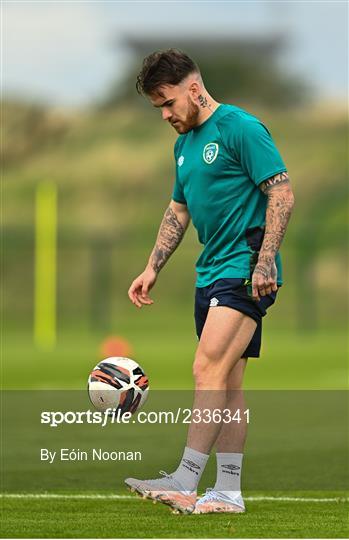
(164, 67)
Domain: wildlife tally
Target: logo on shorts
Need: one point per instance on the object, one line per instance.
(180, 161)
(210, 152)
(214, 302)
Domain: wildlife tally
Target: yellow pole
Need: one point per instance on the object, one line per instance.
(45, 265)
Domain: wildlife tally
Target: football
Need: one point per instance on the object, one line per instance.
(118, 383)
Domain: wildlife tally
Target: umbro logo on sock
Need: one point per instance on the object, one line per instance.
(191, 464)
(188, 464)
(228, 469)
(231, 467)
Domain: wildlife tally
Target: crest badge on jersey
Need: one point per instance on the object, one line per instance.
(210, 152)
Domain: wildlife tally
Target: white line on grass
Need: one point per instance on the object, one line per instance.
(63, 496)
(123, 497)
(298, 499)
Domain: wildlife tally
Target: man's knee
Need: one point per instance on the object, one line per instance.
(209, 372)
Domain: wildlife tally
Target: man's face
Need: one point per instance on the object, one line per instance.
(177, 105)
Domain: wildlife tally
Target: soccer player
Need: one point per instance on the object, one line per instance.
(233, 184)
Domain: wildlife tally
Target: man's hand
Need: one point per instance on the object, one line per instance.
(171, 232)
(140, 287)
(264, 279)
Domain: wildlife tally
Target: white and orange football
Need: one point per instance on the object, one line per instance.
(118, 383)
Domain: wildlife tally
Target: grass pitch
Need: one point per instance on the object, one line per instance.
(80, 514)
(103, 517)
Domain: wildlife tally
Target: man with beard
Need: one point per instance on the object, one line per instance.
(232, 182)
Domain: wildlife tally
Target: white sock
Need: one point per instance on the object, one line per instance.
(229, 467)
(191, 468)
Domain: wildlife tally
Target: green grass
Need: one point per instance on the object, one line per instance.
(165, 348)
(28, 518)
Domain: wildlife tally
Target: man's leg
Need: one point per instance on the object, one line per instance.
(225, 337)
(226, 493)
(226, 334)
(232, 435)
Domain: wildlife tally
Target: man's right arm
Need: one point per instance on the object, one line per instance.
(171, 231)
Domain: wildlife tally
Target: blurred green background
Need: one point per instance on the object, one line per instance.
(112, 163)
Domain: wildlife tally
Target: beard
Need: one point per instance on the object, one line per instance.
(191, 120)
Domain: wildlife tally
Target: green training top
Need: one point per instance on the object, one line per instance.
(219, 166)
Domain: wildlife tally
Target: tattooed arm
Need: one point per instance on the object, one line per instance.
(171, 232)
(279, 208)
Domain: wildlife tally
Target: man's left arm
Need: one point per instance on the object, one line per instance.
(279, 209)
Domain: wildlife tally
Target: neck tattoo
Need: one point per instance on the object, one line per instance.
(204, 103)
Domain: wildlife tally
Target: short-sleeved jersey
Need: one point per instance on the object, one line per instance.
(219, 166)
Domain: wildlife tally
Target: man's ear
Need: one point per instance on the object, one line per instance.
(194, 89)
